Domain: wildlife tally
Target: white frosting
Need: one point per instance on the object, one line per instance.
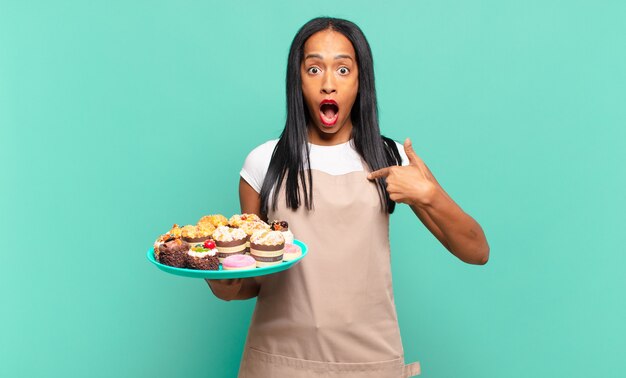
(237, 219)
(251, 226)
(210, 252)
(226, 234)
(288, 236)
(267, 237)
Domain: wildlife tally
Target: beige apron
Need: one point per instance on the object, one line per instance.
(332, 314)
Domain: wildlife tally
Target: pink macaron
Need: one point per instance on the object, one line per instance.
(238, 262)
(291, 252)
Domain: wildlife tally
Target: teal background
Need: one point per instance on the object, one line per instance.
(118, 119)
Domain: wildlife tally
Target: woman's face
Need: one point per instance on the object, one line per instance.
(330, 83)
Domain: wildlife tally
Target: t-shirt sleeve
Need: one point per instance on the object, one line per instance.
(256, 164)
(405, 159)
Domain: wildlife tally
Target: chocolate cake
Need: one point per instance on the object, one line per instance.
(204, 263)
(174, 253)
(203, 258)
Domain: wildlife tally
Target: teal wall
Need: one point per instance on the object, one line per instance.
(120, 118)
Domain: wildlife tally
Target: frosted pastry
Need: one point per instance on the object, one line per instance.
(239, 262)
(214, 220)
(250, 227)
(229, 241)
(283, 227)
(203, 257)
(174, 253)
(206, 228)
(196, 236)
(291, 252)
(267, 247)
(173, 233)
(237, 219)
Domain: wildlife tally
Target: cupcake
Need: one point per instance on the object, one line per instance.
(292, 252)
(237, 219)
(283, 227)
(196, 236)
(250, 227)
(266, 247)
(215, 220)
(174, 253)
(204, 257)
(206, 228)
(173, 233)
(229, 241)
(176, 231)
(239, 262)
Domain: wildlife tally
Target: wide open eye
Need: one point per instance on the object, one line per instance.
(343, 70)
(313, 70)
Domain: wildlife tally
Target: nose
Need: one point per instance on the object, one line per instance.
(328, 83)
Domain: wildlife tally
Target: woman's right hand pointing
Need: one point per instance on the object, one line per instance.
(412, 184)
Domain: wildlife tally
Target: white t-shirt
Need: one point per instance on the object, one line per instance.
(339, 159)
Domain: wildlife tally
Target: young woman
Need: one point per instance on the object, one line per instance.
(335, 179)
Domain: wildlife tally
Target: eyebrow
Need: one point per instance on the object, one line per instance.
(318, 56)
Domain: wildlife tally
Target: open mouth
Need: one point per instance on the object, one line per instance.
(329, 112)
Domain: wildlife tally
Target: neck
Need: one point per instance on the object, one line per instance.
(317, 136)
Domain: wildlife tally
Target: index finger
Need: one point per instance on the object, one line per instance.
(383, 172)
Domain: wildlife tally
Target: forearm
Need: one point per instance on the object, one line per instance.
(415, 185)
(456, 230)
(234, 289)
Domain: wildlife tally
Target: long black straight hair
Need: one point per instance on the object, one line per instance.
(290, 159)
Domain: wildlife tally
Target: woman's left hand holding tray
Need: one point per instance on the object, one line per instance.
(234, 288)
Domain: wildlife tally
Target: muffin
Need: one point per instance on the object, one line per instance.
(204, 257)
(283, 227)
(215, 220)
(237, 219)
(196, 236)
(174, 253)
(229, 241)
(250, 227)
(206, 228)
(266, 247)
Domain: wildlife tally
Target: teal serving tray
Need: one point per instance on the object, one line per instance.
(226, 274)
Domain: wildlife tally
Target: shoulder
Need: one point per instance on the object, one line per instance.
(391, 143)
(256, 164)
(262, 152)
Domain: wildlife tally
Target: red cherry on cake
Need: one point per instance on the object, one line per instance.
(209, 244)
